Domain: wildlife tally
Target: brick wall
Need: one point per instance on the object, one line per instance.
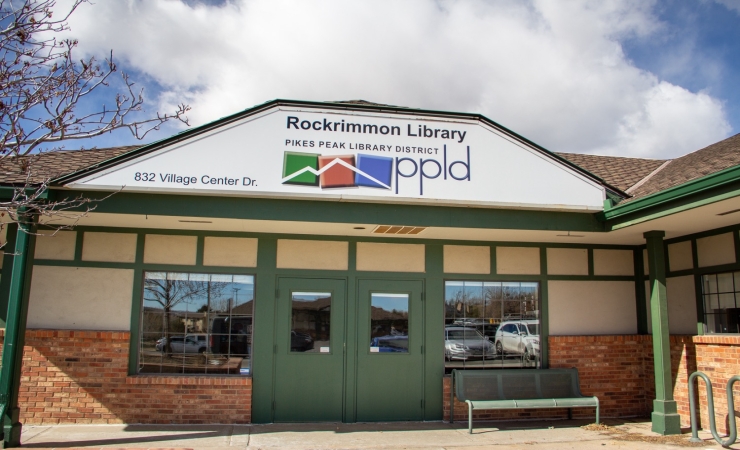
(609, 367)
(81, 377)
(719, 358)
(616, 369)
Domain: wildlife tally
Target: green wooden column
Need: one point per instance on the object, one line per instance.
(665, 416)
(15, 328)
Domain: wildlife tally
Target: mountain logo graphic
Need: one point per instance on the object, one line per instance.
(310, 169)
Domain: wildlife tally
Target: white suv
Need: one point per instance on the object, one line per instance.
(519, 337)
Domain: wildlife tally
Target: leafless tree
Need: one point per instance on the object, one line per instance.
(172, 294)
(46, 101)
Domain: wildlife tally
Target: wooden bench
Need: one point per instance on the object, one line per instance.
(518, 388)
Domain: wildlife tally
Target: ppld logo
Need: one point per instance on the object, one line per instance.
(311, 169)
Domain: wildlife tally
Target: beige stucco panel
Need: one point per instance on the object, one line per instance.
(567, 261)
(390, 257)
(518, 260)
(109, 247)
(592, 307)
(59, 245)
(165, 249)
(680, 257)
(716, 250)
(80, 298)
(230, 252)
(467, 259)
(613, 262)
(681, 298)
(319, 255)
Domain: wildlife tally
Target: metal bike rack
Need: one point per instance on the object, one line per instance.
(710, 406)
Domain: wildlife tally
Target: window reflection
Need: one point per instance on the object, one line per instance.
(310, 322)
(389, 323)
(196, 323)
(491, 324)
(721, 311)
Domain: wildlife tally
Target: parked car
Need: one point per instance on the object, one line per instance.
(484, 326)
(391, 343)
(518, 337)
(182, 344)
(465, 342)
(300, 342)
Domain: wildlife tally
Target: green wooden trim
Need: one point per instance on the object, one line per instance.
(673, 205)
(79, 242)
(434, 313)
(702, 234)
(705, 184)
(263, 357)
(543, 261)
(736, 239)
(199, 249)
(698, 291)
(342, 212)
(351, 326)
(544, 324)
(494, 268)
(640, 303)
(136, 299)
(590, 262)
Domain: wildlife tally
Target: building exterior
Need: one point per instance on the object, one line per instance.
(305, 261)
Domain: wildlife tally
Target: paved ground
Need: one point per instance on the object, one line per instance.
(623, 435)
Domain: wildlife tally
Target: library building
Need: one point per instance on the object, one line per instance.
(339, 261)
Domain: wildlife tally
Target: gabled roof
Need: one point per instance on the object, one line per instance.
(44, 166)
(618, 171)
(336, 105)
(709, 160)
(644, 176)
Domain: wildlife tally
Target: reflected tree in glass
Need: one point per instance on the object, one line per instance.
(172, 293)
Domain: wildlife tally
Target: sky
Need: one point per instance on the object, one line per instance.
(637, 78)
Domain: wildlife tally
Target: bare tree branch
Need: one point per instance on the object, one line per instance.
(45, 98)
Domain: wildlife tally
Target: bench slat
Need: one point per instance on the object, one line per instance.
(518, 388)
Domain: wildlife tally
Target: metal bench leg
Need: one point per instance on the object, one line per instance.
(470, 418)
(597, 411)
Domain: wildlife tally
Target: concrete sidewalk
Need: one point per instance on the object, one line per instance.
(566, 434)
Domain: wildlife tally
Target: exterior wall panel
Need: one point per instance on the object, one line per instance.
(230, 252)
(716, 250)
(80, 298)
(613, 262)
(567, 261)
(109, 247)
(317, 255)
(592, 307)
(467, 259)
(390, 257)
(518, 260)
(59, 245)
(167, 249)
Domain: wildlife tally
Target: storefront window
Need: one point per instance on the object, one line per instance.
(721, 303)
(195, 323)
(491, 325)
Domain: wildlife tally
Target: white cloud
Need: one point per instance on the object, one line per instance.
(552, 71)
(732, 5)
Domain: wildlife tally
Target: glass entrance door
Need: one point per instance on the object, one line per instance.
(309, 351)
(390, 373)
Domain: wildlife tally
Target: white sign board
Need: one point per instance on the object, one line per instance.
(361, 156)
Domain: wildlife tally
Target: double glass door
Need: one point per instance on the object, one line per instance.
(340, 362)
